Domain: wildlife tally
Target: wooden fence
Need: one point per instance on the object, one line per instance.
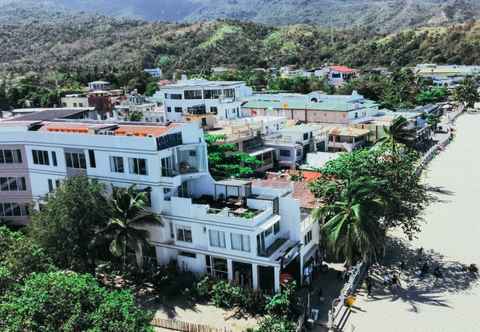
(176, 325)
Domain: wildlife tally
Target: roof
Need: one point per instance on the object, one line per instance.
(300, 191)
(233, 183)
(348, 131)
(342, 69)
(49, 114)
(260, 151)
(331, 105)
(308, 176)
(200, 84)
(140, 130)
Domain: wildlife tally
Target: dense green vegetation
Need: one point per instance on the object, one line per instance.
(381, 15)
(367, 192)
(225, 161)
(35, 295)
(101, 46)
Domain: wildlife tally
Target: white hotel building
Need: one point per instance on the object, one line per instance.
(246, 232)
(204, 97)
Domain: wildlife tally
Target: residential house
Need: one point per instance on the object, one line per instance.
(248, 232)
(222, 99)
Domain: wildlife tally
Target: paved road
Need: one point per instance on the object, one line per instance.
(451, 240)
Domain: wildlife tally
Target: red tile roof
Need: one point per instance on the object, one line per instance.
(342, 69)
(300, 192)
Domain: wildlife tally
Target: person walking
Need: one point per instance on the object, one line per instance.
(369, 286)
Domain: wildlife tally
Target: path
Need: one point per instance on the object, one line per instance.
(451, 239)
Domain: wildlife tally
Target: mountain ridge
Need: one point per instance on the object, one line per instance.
(378, 15)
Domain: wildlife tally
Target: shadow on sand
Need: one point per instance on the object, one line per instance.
(415, 288)
(168, 306)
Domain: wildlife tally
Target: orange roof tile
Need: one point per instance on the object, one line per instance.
(140, 131)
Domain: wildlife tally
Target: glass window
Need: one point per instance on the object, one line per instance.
(184, 234)
(307, 237)
(91, 156)
(13, 184)
(116, 164)
(212, 94)
(276, 227)
(138, 166)
(217, 239)
(178, 110)
(229, 93)
(213, 110)
(40, 157)
(75, 160)
(4, 184)
(193, 94)
(50, 185)
(8, 156)
(169, 109)
(285, 153)
(240, 242)
(54, 158)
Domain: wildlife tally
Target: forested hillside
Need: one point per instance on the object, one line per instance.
(76, 42)
(376, 15)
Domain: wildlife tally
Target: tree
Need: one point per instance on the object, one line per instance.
(122, 231)
(351, 223)
(151, 88)
(66, 225)
(467, 92)
(19, 257)
(398, 133)
(433, 121)
(67, 301)
(226, 161)
(404, 195)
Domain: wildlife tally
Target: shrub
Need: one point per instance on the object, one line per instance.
(276, 324)
(60, 301)
(225, 295)
(283, 304)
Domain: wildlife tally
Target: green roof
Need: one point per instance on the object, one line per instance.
(329, 106)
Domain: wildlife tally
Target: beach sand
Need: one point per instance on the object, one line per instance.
(450, 238)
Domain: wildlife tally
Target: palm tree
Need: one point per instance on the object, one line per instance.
(433, 121)
(351, 224)
(128, 211)
(398, 133)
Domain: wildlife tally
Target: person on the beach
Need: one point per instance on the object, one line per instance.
(437, 272)
(386, 279)
(425, 269)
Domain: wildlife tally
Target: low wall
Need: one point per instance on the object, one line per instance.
(176, 325)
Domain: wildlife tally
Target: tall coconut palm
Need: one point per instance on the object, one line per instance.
(122, 231)
(398, 133)
(351, 224)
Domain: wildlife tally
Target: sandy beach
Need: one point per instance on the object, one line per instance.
(451, 240)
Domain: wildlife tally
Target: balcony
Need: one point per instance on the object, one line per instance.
(218, 212)
(184, 160)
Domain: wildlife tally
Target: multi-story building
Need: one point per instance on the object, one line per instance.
(247, 232)
(314, 107)
(204, 97)
(75, 100)
(448, 76)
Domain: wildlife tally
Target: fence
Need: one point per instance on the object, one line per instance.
(339, 312)
(176, 325)
(440, 145)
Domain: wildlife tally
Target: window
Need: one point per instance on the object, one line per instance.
(305, 136)
(138, 166)
(217, 239)
(213, 110)
(173, 96)
(193, 94)
(285, 153)
(13, 210)
(50, 185)
(57, 183)
(229, 93)
(54, 158)
(116, 164)
(167, 194)
(184, 234)
(187, 254)
(169, 109)
(212, 94)
(13, 184)
(75, 160)
(178, 110)
(276, 227)
(168, 141)
(10, 156)
(40, 157)
(307, 238)
(91, 157)
(172, 234)
(240, 242)
(268, 231)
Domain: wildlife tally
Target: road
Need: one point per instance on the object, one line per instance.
(451, 240)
